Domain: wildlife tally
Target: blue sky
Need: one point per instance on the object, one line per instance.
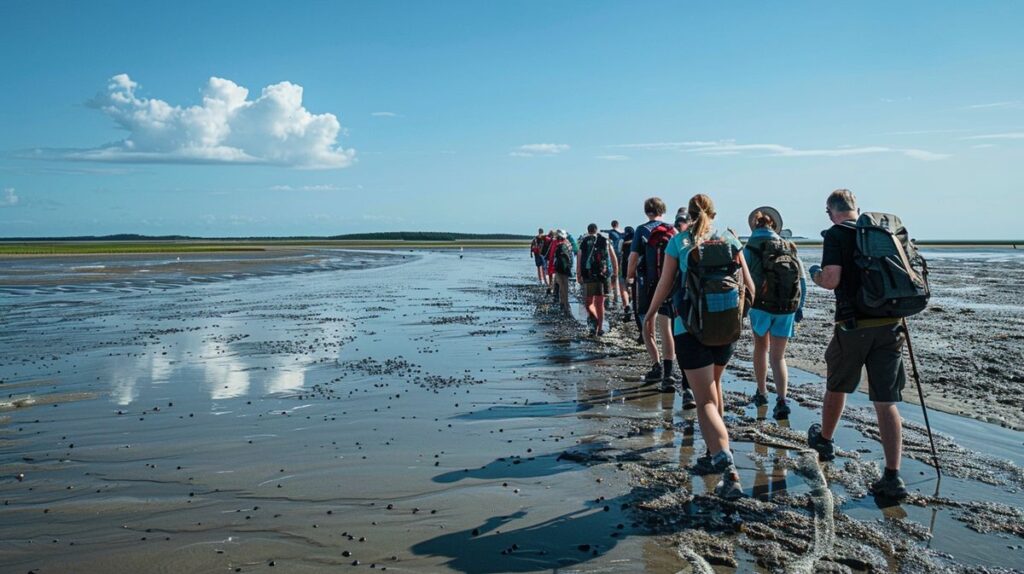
(503, 116)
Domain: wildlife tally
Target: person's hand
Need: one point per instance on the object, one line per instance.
(799, 315)
(814, 270)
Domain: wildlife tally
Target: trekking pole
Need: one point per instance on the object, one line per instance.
(924, 409)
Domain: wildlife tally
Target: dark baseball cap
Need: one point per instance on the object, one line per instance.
(682, 216)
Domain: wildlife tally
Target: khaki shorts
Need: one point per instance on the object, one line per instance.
(879, 350)
(595, 288)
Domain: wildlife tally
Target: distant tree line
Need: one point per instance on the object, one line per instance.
(381, 236)
(427, 236)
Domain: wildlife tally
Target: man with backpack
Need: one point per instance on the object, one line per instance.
(627, 289)
(560, 266)
(596, 263)
(615, 235)
(781, 290)
(645, 263)
(538, 252)
(878, 278)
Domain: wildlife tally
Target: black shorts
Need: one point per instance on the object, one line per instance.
(879, 350)
(643, 303)
(692, 354)
(595, 288)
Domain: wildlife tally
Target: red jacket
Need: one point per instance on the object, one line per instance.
(551, 254)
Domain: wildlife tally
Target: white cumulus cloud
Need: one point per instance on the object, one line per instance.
(227, 127)
(8, 198)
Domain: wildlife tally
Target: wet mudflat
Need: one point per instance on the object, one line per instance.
(430, 414)
(969, 342)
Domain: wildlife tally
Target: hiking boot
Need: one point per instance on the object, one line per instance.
(781, 410)
(702, 465)
(759, 399)
(825, 447)
(689, 403)
(627, 315)
(655, 374)
(890, 486)
(708, 464)
(667, 386)
(729, 487)
(668, 368)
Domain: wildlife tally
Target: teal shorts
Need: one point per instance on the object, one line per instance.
(762, 322)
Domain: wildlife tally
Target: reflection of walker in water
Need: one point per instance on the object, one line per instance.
(766, 485)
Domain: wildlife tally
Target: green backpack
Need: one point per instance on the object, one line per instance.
(894, 275)
(594, 251)
(563, 258)
(779, 291)
(714, 299)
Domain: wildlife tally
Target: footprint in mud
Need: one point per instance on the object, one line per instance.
(824, 521)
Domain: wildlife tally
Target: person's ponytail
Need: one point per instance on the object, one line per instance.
(702, 211)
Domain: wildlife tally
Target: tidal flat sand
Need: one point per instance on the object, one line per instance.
(425, 413)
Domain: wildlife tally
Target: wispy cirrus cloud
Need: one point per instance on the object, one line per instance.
(613, 157)
(1000, 136)
(8, 198)
(731, 147)
(539, 149)
(384, 114)
(990, 105)
(226, 128)
(314, 187)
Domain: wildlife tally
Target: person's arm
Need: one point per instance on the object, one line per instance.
(828, 276)
(579, 270)
(631, 267)
(748, 281)
(803, 285)
(615, 262)
(831, 270)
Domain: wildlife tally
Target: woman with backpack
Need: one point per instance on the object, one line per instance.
(778, 276)
(709, 276)
(560, 266)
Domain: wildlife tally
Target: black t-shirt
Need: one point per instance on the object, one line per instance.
(838, 248)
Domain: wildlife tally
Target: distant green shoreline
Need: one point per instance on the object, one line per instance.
(48, 248)
(21, 248)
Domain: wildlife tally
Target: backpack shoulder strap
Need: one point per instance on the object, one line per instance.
(905, 260)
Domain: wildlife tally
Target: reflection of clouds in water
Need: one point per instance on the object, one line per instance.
(123, 384)
(225, 377)
(160, 369)
(286, 381)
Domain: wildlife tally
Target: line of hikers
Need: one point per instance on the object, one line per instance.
(688, 287)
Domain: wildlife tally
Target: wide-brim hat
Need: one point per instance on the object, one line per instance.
(769, 211)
